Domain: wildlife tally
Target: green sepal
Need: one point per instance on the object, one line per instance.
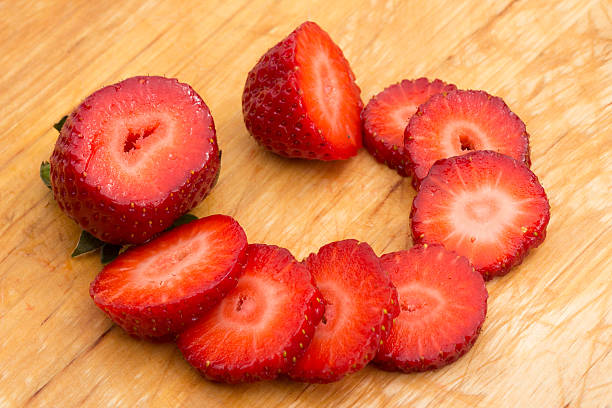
(109, 252)
(45, 167)
(58, 125)
(182, 220)
(87, 243)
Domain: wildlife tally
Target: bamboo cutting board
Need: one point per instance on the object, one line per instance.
(548, 334)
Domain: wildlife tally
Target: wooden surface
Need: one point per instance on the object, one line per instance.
(548, 334)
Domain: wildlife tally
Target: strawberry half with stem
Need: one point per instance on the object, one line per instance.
(443, 303)
(387, 114)
(301, 100)
(133, 157)
(457, 122)
(262, 326)
(360, 304)
(483, 205)
(157, 289)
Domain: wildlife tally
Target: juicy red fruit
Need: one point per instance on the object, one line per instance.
(133, 157)
(263, 325)
(459, 122)
(483, 205)
(301, 100)
(360, 304)
(387, 114)
(158, 289)
(443, 304)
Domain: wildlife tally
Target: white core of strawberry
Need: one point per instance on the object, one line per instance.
(458, 133)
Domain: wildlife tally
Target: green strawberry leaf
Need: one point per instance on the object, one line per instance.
(109, 253)
(182, 220)
(87, 243)
(58, 125)
(44, 173)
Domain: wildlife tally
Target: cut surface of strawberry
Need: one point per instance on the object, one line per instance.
(262, 326)
(157, 289)
(458, 122)
(360, 304)
(483, 205)
(387, 114)
(300, 100)
(443, 303)
(133, 157)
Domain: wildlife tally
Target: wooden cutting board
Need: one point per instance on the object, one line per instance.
(548, 334)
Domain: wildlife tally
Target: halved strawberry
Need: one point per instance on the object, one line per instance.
(387, 114)
(133, 157)
(360, 304)
(483, 205)
(262, 326)
(443, 304)
(157, 289)
(458, 122)
(301, 100)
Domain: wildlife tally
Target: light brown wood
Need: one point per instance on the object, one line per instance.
(548, 334)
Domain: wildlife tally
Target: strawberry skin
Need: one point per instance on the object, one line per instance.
(263, 325)
(386, 116)
(133, 157)
(360, 305)
(443, 303)
(157, 289)
(457, 122)
(483, 205)
(300, 100)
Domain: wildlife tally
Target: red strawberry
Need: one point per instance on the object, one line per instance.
(461, 121)
(387, 114)
(443, 304)
(262, 326)
(483, 205)
(155, 290)
(361, 303)
(133, 157)
(301, 100)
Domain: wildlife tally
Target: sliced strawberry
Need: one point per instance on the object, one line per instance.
(262, 326)
(360, 304)
(157, 289)
(301, 100)
(133, 157)
(458, 122)
(443, 304)
(387, 114)
(483, 205)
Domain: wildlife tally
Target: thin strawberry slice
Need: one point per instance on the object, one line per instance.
(360, 304)
(387, 114)
(443, 304)
(483, 205)
(262, 326)
(458, 122)
(301, 100)
(157, 289)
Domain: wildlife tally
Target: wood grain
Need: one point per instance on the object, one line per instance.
(548, 335)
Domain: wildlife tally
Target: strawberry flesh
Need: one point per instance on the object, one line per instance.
(157, 289)
(443, 304)
(360, 304)
(263, 325)
(483, 205)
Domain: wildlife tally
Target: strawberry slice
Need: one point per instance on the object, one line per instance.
(483, 205)
(361, 303)
(458, 122)
(301, 100)
(157, 289)
(387, 114)
(262, 326)
(443, 304)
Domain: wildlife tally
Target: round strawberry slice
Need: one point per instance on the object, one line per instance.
(455, 123)
(360, 304)
(157, 289)
(301, 100)
(483, 205)
(133, 157)
(387, 114)
(262, 326)
(443, 304)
